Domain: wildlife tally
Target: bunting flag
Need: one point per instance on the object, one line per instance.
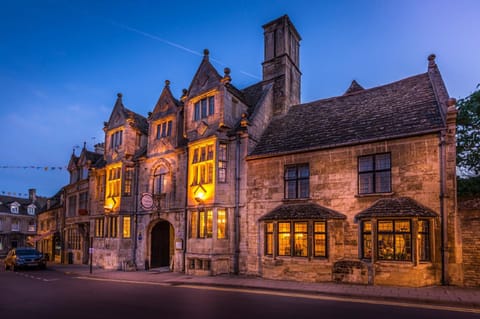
(45, 168)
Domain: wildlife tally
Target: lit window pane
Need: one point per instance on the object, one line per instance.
(221, 224)
(320, 245)
(209, 228)
(385, 247)
(284, 248)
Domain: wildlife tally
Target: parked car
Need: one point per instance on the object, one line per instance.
(23, 258)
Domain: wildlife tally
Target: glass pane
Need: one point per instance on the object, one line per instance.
(269, 244)
(300, 245)
(202, 225)
(402, 247)
(367, 226)
(204, 107)
(423, 226)
(284, 227)
(382, 182)
(385, 226)
(402, 226)
(210, 152)
(211, 105)
(424, 247)
(385, 247)
(269, 227)
(319, 227)
(301, 227)
(365, 163)
(284, 244)
(291, 173)
(209, 224)
(365, 183)
(382, 161)
(367, 246)
(303, 171)
(221, 224)
(291, 189)
(320, 245)
(303, 188)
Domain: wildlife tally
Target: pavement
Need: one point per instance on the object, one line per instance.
(445, 296)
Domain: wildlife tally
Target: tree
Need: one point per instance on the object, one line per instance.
(468, 134)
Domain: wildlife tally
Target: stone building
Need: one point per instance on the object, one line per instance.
(50, 224)
(17, 220)
(357, 188)
(76, 221)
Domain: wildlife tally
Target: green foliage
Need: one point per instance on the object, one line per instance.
(468, 134)
(468, 187)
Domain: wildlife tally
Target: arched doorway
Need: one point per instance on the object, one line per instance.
(161, 245)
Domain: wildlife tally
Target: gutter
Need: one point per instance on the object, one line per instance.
(443, 213)
(236, 223)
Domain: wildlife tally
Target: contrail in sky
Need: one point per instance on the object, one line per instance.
(173, 44)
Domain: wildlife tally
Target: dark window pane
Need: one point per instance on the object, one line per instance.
(365, 163)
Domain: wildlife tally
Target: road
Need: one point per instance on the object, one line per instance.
(50, 294)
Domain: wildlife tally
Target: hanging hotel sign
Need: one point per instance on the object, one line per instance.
(147, 201)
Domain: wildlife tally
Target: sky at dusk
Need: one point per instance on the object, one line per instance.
(62, 63)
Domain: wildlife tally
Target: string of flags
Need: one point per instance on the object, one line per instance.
(45, 168)
(14, 194)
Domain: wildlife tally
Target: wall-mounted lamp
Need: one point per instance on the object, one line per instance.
(140, 236)
(200, 194)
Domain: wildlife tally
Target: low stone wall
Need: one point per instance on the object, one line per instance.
(470, 223)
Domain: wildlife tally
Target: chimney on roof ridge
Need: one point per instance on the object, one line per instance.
(431, 61)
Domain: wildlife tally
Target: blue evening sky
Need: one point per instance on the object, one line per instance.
(63, 62)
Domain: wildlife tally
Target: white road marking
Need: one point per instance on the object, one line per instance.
(296, 295)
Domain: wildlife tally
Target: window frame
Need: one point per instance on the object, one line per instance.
(203, 108)
(393, 233)
(274, 230)
(374, 173)
(298, 181)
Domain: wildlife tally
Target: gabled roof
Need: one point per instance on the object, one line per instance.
(205, 78)
(166, 104)
(404, 108)
(302, 211)
(396, 207)
(137, 121)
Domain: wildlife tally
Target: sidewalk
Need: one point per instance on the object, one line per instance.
(438, 295)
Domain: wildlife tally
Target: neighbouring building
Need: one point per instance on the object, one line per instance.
(357, 188)
(18, 221)
(50, 224)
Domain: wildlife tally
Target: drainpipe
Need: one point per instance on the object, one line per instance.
(237, 209)
(443, 213)
(135, 212)
(185, 217)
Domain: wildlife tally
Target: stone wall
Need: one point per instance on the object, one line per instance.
(470, 224)
(333, 184)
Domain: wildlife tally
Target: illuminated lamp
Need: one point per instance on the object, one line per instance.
(200, 194)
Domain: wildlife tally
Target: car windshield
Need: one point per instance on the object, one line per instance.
(23, 252)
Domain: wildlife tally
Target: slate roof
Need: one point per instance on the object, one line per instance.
(396, 207)
(302, 211)
(403, 108)
(5, 202)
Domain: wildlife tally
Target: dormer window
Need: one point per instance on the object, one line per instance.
(14, 209)
(31, 210)
(164, 129)
(204, 108)
(116, 139)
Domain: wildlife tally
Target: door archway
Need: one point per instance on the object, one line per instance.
(161, 250)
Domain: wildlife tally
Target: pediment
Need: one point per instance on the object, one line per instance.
(166, 104)
(205, 79)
